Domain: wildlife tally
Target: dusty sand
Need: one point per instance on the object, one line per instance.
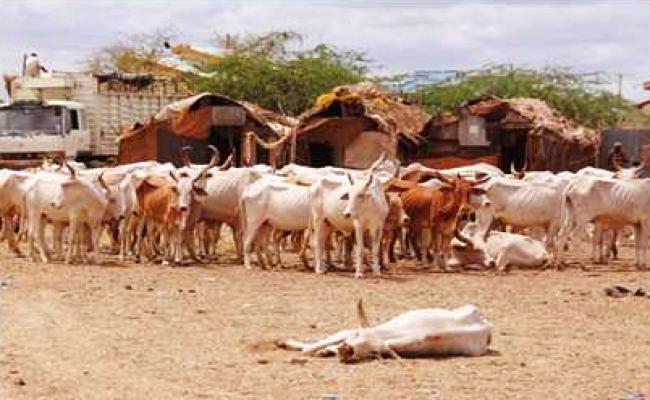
(115, 331)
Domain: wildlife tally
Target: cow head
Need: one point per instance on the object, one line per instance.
(363, 344)
(462, 190)
(358, 195)
(396, 210)
(470, 246)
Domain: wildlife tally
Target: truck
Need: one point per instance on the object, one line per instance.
(77, 115)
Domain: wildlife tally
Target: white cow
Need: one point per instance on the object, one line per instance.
(68, 200)
(348, 206)
(280, 205)
(614, 202)
(428, 332)
(13, 186)
(499, 249)
(383, 168)
(468, 171)
(525, 204)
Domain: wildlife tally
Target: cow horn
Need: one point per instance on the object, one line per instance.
(73, 173)
(349, 178)
(102, 182)
(216, 156)
(171, 173)
(639, 170)
(377, 163)
(482, 180)
(367, 185)
(226, 164)
(512, 168)
(462, 238)
(361, 313)
(441, 177)
(185, 156)
(397, 171)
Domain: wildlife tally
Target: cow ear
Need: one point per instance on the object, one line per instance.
(200, 191)
(361, 313)
(478, 191)
(175, 189)
(345, 196)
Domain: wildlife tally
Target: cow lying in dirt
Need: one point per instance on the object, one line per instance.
(498, 249)
(417, 333)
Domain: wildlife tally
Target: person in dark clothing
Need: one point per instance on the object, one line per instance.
(617, 158)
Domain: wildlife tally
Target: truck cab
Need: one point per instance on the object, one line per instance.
(32, 130)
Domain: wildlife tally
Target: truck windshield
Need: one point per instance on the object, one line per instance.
(31, 120)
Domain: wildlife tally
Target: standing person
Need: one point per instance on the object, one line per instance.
(33, 66)
(617, 158)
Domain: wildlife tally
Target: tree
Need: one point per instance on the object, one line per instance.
(578, 96)
(137, 53)
(264, 69)
(270, 69)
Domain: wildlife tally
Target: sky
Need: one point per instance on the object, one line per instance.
(612, 37)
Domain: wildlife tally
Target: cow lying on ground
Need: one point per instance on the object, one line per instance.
(417, 333)
(498, 249)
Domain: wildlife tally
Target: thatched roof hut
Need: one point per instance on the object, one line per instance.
(201, 120)
(517, 130)
(352, 125)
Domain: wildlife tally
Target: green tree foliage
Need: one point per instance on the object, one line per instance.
(266, 70)
(578, 96)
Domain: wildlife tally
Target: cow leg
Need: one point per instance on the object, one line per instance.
(95, 235)
(375, 240)
(338, 337)
(414, 236)
(641, 245)
(252, 231)
(358, 234)
(303, 248)
(216, 236)
(40, 240)
(72, 230)
(237, 236)
(31, 234)
(320, 235)
(8, 227)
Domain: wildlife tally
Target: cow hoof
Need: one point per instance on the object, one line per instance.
(358, 276)
(165, 262)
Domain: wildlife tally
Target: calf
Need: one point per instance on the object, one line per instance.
(437, 211)
(462, 331)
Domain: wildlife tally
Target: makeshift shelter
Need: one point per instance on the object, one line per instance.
(513, 131)
(208, 119)
(352, 125)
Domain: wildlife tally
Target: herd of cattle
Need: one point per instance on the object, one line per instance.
(162, 213)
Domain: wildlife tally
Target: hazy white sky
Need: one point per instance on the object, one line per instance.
(589, 35)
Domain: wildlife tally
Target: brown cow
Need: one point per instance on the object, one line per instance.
(169, 208)
(436, 211)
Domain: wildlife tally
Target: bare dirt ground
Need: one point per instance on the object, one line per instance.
(115, 331)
